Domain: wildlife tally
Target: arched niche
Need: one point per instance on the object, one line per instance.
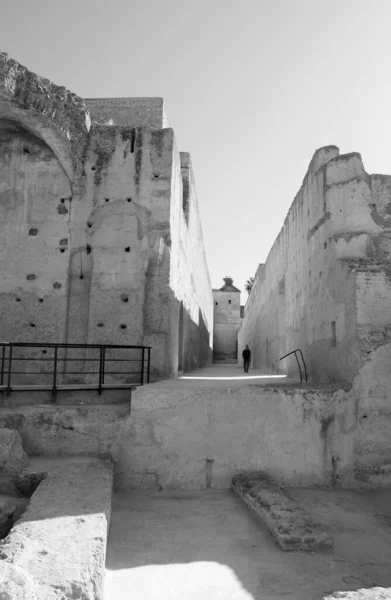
(42, 127)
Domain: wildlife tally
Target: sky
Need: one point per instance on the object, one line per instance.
(252, 88)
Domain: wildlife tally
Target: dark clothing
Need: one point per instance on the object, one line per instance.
(246, 359)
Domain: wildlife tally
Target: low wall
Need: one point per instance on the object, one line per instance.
(196, 438)
(179, 435)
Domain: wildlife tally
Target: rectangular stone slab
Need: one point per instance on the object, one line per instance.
(290, 525)
(60, 541)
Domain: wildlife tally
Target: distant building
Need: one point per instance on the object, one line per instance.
(226, 321)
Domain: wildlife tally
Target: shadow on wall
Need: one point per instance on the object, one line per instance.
(185, 348)
(194, 349)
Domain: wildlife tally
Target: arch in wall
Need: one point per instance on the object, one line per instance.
(46, 110)
(35, 125)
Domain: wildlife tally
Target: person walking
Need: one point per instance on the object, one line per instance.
(246, 358)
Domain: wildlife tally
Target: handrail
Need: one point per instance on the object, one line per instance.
(302, 358)
(137, 367)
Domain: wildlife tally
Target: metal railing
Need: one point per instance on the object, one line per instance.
(53, 367)
(295, 352)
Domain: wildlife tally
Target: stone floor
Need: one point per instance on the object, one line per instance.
(228, 376)
(190, 545)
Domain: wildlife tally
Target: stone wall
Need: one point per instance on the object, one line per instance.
(133, 112)
(226, 322)
(326, 285)
(96, 245)
(176, 434)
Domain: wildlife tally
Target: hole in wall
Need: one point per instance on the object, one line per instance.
(89, 225)
(81, 276)
(127, 249)
(333, 333)
(62, 200)
(62, 210)
(93, 168)
(100, 324)
(365, 416)
(62, 250)
(44, 351)
(155, 175)
(325, 245)
(88, 249)
(107, 199)
(64, 242)
(217, 303)
(123, 326)
(40, 299)
(18, 299)
(229, 301)
(31, 277)
(124, 298)
(132, 141)
(32, 324)
(33, 231)
(128, 199)
(57, 285)
(26, 150)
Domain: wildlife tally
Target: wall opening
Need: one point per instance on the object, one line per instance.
(333, 334)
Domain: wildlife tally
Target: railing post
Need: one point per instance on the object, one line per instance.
(297, 360)
(149, 364)
(54, 388)
(2, 365)
(100, 369)
(305, 366)
(9, 370)
(142, 365)
(103, 364)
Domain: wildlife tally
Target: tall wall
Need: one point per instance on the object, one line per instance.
(226, 323)
(96, 245)
(325, 286)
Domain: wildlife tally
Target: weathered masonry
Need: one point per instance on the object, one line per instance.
(226, 321)
(326, 288)
(101, 239)
(326, 284)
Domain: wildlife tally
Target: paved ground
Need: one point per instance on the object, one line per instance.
(228, 376)
(186, 545)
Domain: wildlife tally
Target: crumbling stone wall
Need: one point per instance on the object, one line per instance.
(325, 287)
(90, 254)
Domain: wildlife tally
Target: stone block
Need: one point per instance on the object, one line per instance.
(16, 583)
(13, 459)
(291, 526)
(61, 538)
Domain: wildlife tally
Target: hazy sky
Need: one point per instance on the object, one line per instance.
(252, 89)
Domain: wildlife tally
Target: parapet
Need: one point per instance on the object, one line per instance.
(128, 112)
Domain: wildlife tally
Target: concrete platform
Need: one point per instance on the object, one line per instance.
(182, 545)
